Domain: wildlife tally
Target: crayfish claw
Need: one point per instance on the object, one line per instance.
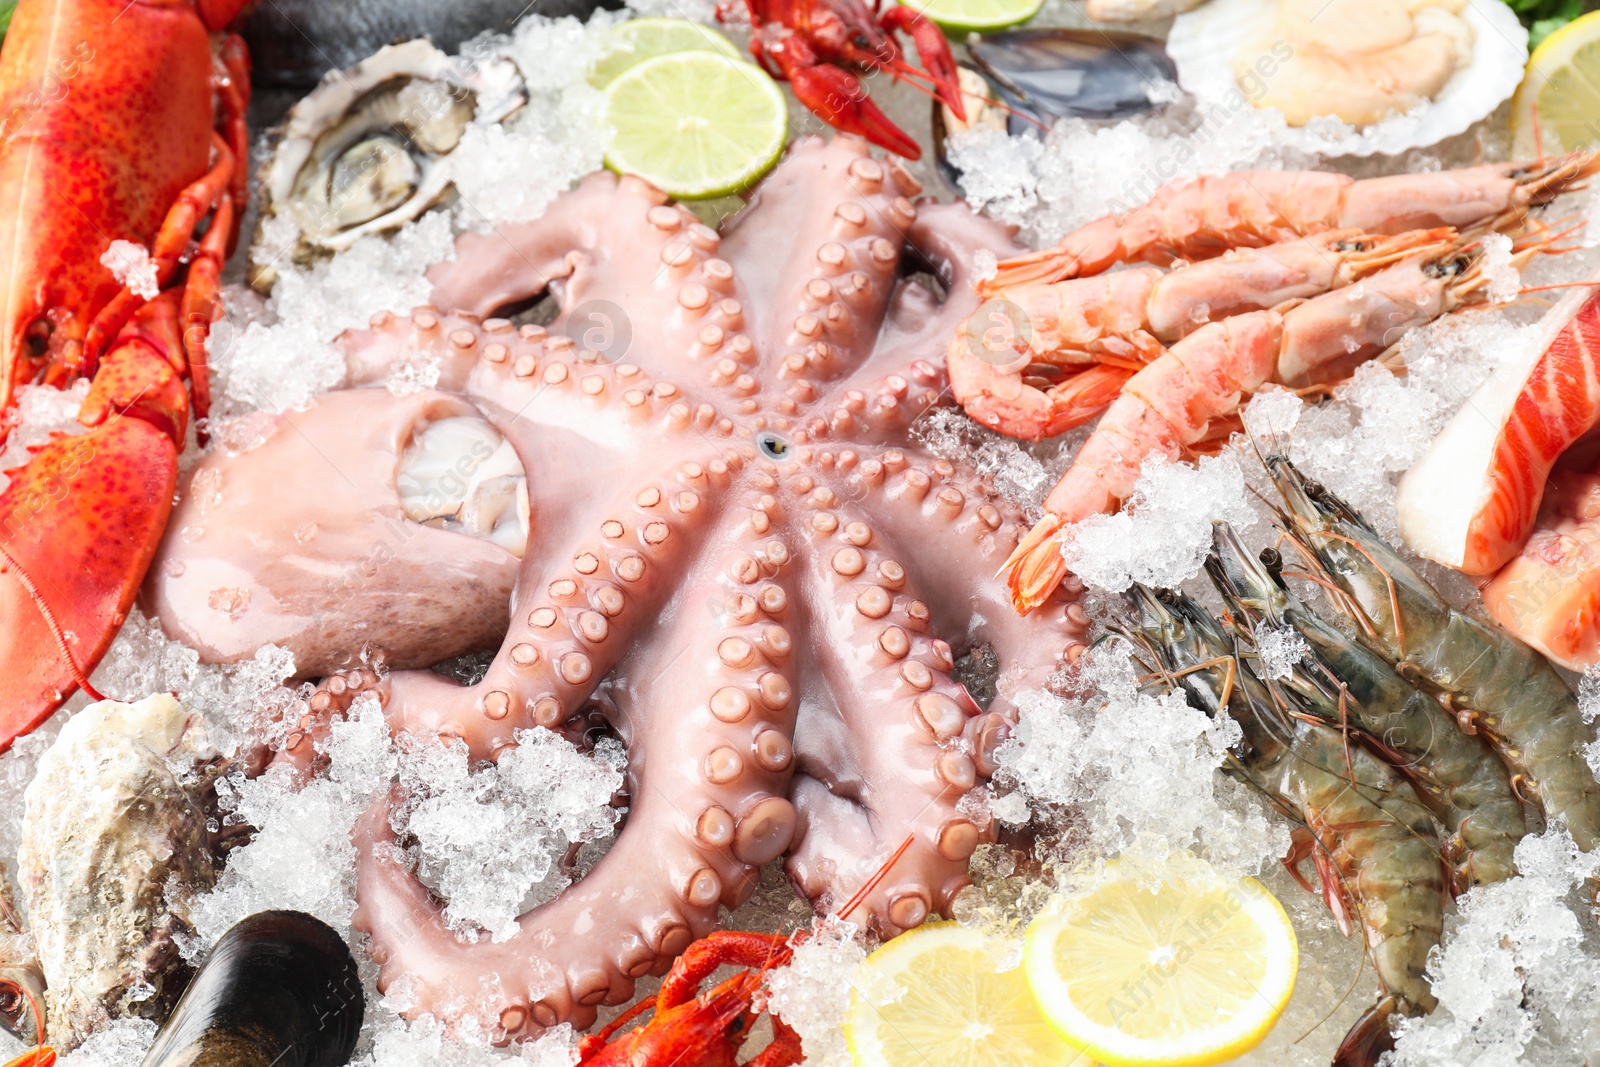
(839, 99)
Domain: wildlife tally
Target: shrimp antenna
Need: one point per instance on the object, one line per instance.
(1361, 969)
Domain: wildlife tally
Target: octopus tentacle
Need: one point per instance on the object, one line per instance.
(961, 530)
(844, 216)
(898, 381)
(707, 808)
(886, 759)
(635, 277)
(579, 605)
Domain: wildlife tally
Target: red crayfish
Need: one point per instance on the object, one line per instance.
(813, 43)
(708, 1029)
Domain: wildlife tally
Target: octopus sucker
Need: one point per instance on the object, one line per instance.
(728, 556)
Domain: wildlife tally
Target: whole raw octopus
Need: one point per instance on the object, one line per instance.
(739, 553)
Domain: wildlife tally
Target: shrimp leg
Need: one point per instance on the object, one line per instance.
(1108, 327)
(1169, 406)
(1456, 774)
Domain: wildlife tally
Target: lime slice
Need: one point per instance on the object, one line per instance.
(975, 16)
(637, 40)
(1563, 83)
(958, 1010)
(1193, 971)
(695, 124)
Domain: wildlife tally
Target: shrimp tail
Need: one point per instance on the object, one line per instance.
(1370, 1037)
(1036, 567)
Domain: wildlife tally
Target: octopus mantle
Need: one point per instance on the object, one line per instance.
(739, 553)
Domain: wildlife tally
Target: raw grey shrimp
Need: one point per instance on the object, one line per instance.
(1456, 774)
(1494, 682)
(1371, 841)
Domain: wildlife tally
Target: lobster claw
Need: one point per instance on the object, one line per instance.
(81, 521)
(839, 99)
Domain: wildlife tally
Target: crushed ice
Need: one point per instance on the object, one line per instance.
(1115, 769)
(1277, 651)
(1161, 538)
(814, 992)
(130, 264)
(1516, 979)
(1128, 762)
(1502, 276)
(274, 356)
(544, 795)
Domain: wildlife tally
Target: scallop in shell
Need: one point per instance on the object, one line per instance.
(363, 152)
(117, 838)
(1206, 45)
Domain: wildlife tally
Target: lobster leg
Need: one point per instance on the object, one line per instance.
(934, 51)
(80, 522)
(202, 306)
(192, 205)
(233, 89)
(838, 98)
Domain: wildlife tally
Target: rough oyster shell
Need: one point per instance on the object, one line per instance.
(114, 846)
(362, 153)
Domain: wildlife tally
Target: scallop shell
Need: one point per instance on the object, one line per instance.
(1203, 43)
(362, 153)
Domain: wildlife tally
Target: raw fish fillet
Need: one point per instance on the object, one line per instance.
(1550, 594)
(1471, 501)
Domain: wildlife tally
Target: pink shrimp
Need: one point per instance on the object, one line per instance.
(1206, 217)
(1169, 406)
(1041, 359)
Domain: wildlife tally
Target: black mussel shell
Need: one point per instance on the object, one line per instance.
(293, 43)
(279, 990)
(1081, 74)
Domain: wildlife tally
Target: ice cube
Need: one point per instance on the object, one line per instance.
(1277, 651)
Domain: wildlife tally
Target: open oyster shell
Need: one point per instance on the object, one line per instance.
(363, 152)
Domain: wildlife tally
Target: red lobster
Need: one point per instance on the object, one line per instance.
(709, 1029)
(811, 43)
(118, 121)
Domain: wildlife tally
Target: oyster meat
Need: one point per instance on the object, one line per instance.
(363, 152)
(115, 844)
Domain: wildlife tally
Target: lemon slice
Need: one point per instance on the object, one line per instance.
(975, 16)
(695, 124)
(637, 40)
(1192, 973)
(958, 1009)
(1563, 83)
